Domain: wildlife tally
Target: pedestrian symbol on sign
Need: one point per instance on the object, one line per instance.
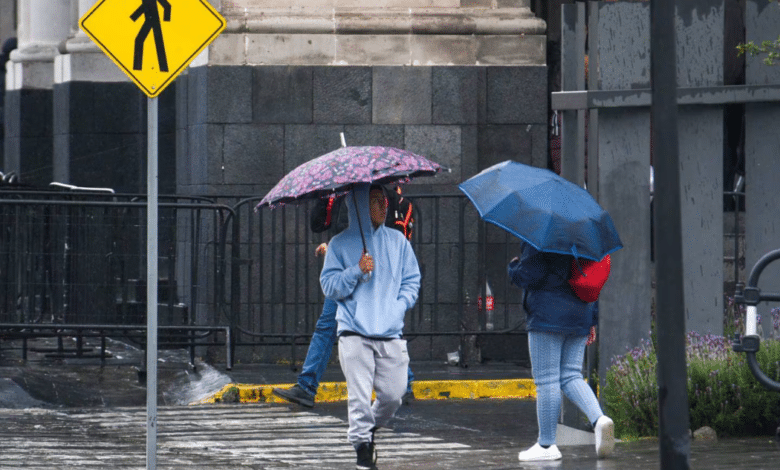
(122, 29)
(148, 9)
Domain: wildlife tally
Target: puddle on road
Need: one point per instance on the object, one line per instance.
(44, 381)
(14, 396)
(193, 386)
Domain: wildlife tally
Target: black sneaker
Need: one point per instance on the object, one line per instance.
(295, 394)
(366, 456)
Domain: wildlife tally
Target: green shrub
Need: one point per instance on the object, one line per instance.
(722, 392)
(631, 393)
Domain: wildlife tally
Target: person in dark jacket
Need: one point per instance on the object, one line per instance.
(559, 325)
(327, 214)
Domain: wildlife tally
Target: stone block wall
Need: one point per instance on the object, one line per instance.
(28, 138)
(100, 136)
(241, 128)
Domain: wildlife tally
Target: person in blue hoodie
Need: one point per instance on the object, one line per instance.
(559, 326)
(373, 289)
(328, 214)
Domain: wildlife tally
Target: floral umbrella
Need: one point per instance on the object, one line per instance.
(335, 172)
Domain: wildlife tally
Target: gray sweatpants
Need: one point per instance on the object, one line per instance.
(372, 365)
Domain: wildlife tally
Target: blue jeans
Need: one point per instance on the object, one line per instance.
(320, 349)
(556, 360)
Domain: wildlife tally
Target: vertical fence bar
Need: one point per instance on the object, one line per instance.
(436, 254)
(461, 271)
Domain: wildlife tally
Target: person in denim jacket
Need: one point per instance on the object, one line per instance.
(559, 326)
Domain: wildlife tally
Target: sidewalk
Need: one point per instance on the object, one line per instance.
(66, 381)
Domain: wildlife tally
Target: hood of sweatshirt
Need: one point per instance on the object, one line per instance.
(375, 305)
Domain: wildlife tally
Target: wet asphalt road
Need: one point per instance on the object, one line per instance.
(78, 414)
(445, 436)
(502, 428)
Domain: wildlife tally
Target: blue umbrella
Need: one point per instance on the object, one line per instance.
(547, 211)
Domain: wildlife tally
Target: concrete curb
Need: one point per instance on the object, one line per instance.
(423, 390)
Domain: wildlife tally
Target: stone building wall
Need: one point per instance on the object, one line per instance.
(463, 82)
(465, 86)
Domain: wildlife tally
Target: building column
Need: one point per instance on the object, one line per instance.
(43, 25)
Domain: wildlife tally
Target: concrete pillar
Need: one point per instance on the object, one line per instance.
(623, 166)
(499, 49)
(762, 175)
(43, 26)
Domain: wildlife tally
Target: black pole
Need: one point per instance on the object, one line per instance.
(674, 441)
(360, 224)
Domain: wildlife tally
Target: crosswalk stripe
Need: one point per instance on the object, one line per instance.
(196, 436)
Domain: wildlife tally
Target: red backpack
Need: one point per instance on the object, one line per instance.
(588, 277)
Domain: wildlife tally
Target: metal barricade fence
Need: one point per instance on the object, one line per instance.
(78, 260)
(74, 264)
(275, 296)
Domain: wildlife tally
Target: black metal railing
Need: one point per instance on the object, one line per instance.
(79, 259)
(76, 261)
(275, 298)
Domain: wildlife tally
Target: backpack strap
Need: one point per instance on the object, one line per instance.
(329, 211)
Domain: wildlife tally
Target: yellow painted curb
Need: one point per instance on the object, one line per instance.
(472, 389)
(423, 390)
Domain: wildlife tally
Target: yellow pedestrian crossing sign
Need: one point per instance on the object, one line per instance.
(152, 41)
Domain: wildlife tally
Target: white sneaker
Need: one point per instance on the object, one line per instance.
(605, 437)
(538, 452)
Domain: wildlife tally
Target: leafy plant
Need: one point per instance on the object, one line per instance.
(722, 392)
(770, 48)
(631, 392)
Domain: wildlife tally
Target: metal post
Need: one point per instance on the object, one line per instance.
(151, 286)
(592, 146)
(573, 142)
(573, 79)
(674, 442)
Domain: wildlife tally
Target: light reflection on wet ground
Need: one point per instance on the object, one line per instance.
(495, 429)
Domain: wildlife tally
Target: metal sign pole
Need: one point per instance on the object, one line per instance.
(151, 286)
(188, 31)
(673, 419)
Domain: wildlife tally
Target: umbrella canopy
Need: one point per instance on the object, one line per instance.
(336, 171)
(547, 211)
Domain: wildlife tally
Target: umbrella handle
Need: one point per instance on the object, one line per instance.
(576, 258)
(360, 224)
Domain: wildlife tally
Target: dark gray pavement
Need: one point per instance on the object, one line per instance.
(77, 413)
